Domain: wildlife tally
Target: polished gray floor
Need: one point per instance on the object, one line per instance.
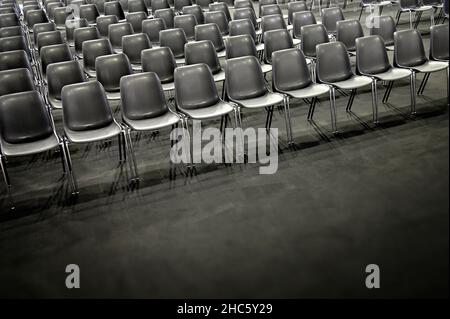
(370, 195)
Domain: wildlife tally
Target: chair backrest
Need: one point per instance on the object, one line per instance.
(61, 74)
(348, 31)
(8, 20)
(290, 70)
(52, 6)
(167, 15)
(14, 59)
(10, 31)
(219, 18)
(409, 4)
(93, 49)
(17, 42)
(110, 68)
(42, 27)
(117, 31)
(408, 48)
(142, 96)
(384, 26)
(439, 42)
(239, 46)
(161, 61)
(221, 6)
(85, 106)
(137, 6)
(175, 39)
(135, 19)
(60, 15)
(333, 62)
(330, 16)
(200, 95)
(159, 4)
(243, 4)
(35, 16)
(270, 9)
(244, 78)
(265, 3)
(301, 19)
(54, 53)
(24, 118)
(29, 7)
(211, 32)
(202, 52)
(187, 22)
(151, 27)
(132, 46)
(84, 34)
(114, 8)
(103, 23)
(297, 6)
(371, 55)
(241, 27)
(311, 36)
(49, 38)
(89, 12)
(73, 24)
(272, 22)
(245, 13)
(204, 4)
(16, 80)
(197, 11)
(275, 40)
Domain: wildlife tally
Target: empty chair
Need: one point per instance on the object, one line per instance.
(301, 19)
(109, 69)
(330, 16)
(88, 122)
(100, 4)
(246, 13)
(187, 22)
(151, 27)
(8, 20)
(212, 33)
(103, 23)
(114, 8)
(167, 15)
(244, 26)
(10, 31)
(162, 62)
(333, 68)
(179, 4)
(243, 45)
(196, 11)
(347, 32)
(275, 40)
(52, 54)
(133, 45)
(274, 22)
(175, 39)
(204, 52)
(137, 6)
(386, 29)
(84, 34)
(221, 6)
(14, 59)
(116, 32)
(25, 135)
(311, 36)
(409, 53)
(159, 4)
(293, 7)
(291, 77)
(17, 42)
(414, 7)
(71, 25)
(243, 4)
(135, 19)
(15, 81)
(263, 3)
(49, 38)
(35, 16)
(372, 60)
(219, 18)
(60, 16)
(42, 27)
(89, 12)
(59, 75)
(52, 6)
(93, 49)
(270, 9)
(204, 4)
(30, 7)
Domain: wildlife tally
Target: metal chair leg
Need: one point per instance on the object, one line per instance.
(375, 101)
(7, 182)
(333, 110)
(413, 92)
(70, 167)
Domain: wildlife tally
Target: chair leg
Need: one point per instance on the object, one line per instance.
(7, 182)
(63, 158)
(413, 92)
(375, 101)
(286, 120)
(127, 134)
(399, 13)
(191, 166)
(333, 110)
(361, 12)
(70, 167)
(350, 100)
(422, 84)
(119, 138)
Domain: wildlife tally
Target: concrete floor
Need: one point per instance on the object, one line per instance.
(370, 195)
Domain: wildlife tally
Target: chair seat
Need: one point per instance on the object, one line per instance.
(136, 67)
(422, 8)
(165, 120)
(219, 77)
(390, 48)
(90, 73)
(179, 61)
(88, 136)
(356, 81)
(168, 86)
(393, 74)
(113, 95)
(260, 47)
(258, 31)
(312, 90)
(379, 4)
(117, 50)
(222, 54)
(431, 66)
(57, 104)
(296, 42)
(217, 110)
(266, 67)
(29, 148)
(267, 99)
(289, 27)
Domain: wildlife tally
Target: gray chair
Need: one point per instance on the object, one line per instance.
(291, 77)
(93, 49)
(179, 4)
(244, 26)
(262, 3)
(114, 8)
(10, 31)
(372, 60)
(144, 107)
(109, 70)
(212, 33)
(300, 19)
(159, 4)
(9, 20)
(14, 59)
(151, 27)
(89, 12)
(247, 13)
(414, 7)
(49, 38)
(81, 35)
(162, 62)
(243, 4)
(409, 53)
(311, 36)
(53, 54)
(87, 118)
(175, 39)
(15, 81)
(243, 45)
(167, 15)
(293, 7)
(137, 6)
(270, 9)
(135, 19)
(35, 16)
(59, 75)
(219, 18)
(274, 22)
(133, 45)
(103, 22)
(385, 27)
(50, 7)
(17, 42)
(42, 27)
(333, 68)
(347, 31)
(275, 40)
(116, 32)
(221, 6)
(187, 22)
(197, 11)
(330, 17)
(60, 16)
(25, 135)
(71, 25)
(204, 52)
